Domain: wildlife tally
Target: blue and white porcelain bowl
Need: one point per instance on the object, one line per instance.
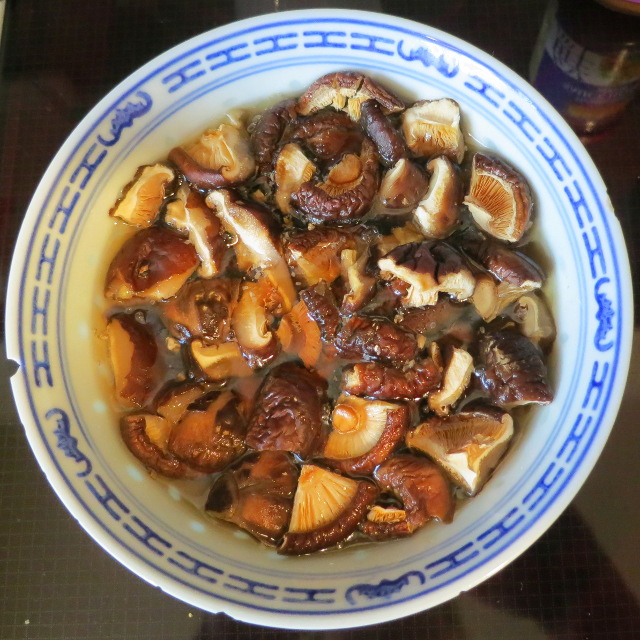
(62, 387)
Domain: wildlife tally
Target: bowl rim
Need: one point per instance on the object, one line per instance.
(292, 620)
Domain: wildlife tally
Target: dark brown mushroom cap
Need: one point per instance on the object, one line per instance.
(511, 369)
(363, 338)
(423, 489)
(289, 412)
(134, 432)
(328, 134)
(321, 306)
(202, 309)
(210, 434)
(499, 198)
(268, 132)
(507, 265)
(376, 380)
(256, 494)
(133, 352)
(389, 142)
(198, 176)
(403, 186)
(314, 254)
(152, 264)
(346, 90)
(326, 511)
(316, 205)
(393, 432)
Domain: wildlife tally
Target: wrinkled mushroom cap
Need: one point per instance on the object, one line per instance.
(346, 91)
(468, 445)
(432, 127)
(499, 198)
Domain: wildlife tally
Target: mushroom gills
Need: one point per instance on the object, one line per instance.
(468, 445)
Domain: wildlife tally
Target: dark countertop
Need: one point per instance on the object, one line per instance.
(581, 580)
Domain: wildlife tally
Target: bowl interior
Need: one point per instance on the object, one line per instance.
(156, 527)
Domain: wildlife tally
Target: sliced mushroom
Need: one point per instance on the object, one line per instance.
(346, 195)
(219, 361)
(289, 412)
(376, 380)
(151, 265)
(253, 226)
(428, 268)
(380, 339)
(437, 213)
(173, 399)
(423, 490)
(404, 234)
(210, 434)
(499, 198)
(328, 134)
(202, 309)
(141, 199)
(256, 494)
(134, 359)
(432, 127)
(250, 324)
(314, 255)
(360, 284)
(403, 186)
(346, 91)
(293, 168)
(225, 151)
(388, 140)
(511, 370)
(468, 445)
(364, 433)
(143, 196)
(535, 319)
(321, 307)
(146, 436)
(299, 334)
(327, 508)
(268, 131)
(457, 375)
(188, 213)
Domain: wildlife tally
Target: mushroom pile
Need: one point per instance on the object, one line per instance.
(327, 309)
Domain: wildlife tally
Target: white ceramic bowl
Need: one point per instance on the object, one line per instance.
(62, 389)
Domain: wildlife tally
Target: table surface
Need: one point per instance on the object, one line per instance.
(581, 580)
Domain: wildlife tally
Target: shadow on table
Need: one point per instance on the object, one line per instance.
(554, 590)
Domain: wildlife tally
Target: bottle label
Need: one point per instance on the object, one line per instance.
(584, 85)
